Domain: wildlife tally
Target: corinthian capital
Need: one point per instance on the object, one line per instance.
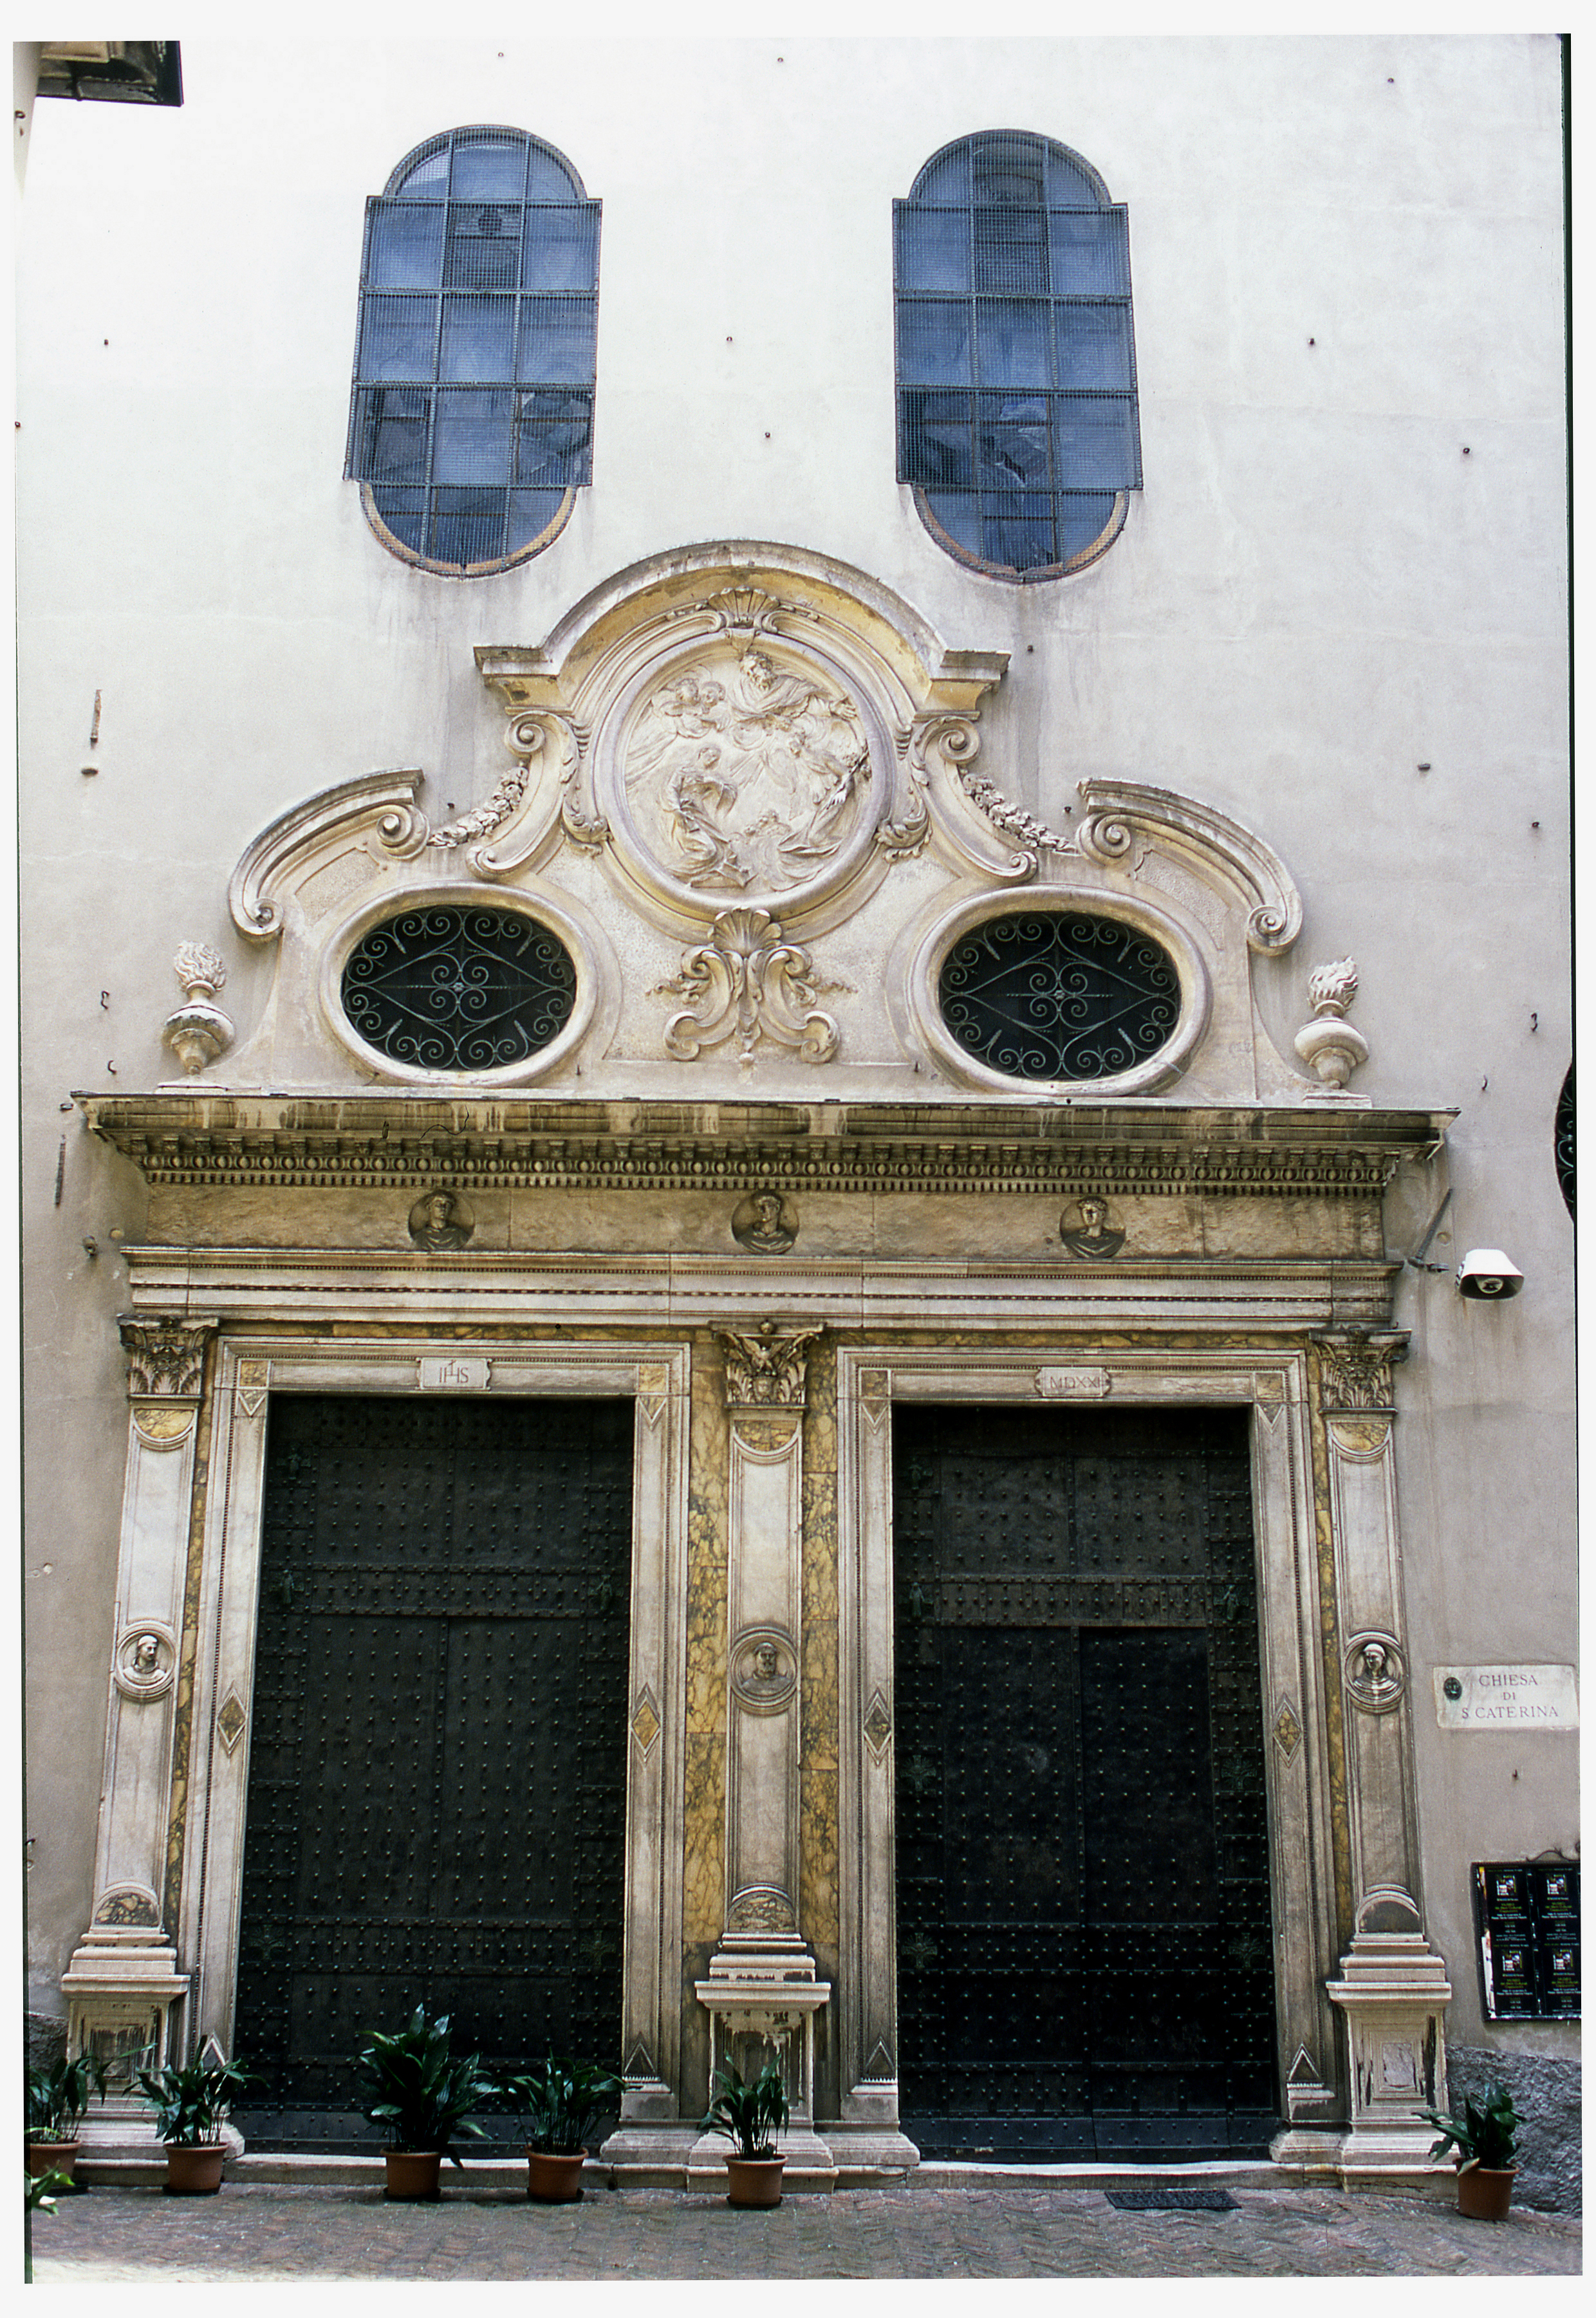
(165, 1358)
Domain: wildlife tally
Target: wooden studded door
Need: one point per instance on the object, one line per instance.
(437, 1798)
(1084, 1946)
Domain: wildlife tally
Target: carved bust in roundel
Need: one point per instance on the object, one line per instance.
(744, 772)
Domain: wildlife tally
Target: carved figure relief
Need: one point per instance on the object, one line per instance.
(764, 1671)
(744, 772)
(144, 1662)
(440, 1222)
(765, 1224)
(768, 1369)
(1092, 1235)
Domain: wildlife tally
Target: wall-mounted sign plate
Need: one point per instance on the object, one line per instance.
(1506, 1698)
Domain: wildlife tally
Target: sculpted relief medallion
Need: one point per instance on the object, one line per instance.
(746, 771)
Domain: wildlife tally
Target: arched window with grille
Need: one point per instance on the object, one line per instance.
(1016, 361)
(471, 423)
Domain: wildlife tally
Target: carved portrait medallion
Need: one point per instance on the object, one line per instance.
(440, 1222)
(745, 771)
(144, 1658)
(765, 1224)
(764, 1670)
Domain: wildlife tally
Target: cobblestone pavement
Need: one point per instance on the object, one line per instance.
(258, 2234)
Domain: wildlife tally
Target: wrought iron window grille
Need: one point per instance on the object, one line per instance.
(447, 989)
(1017, 425)
(1057, 995)
(471, 418)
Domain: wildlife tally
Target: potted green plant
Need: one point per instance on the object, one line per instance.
(58, 2101)
(750, 2114)
(562, 2102)
(1487, 2139)
(190, 2105)
(421, 2099)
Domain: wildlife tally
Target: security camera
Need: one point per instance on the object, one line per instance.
(1487, 1271)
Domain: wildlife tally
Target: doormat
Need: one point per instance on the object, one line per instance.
(1172, 2201)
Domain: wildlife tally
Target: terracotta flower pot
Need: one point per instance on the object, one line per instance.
(554, 2176)
(413, 2173)
(754, 2180)
(52, 2157)
(1484, 2195)
(194, 2168)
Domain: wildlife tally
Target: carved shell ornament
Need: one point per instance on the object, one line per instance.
(746, 771)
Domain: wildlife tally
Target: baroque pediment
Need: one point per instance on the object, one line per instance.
(745, 801)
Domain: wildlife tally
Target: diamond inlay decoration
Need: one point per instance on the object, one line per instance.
(230, 1722)
(878, 1722)
(645, 1722)
(1289, 1730)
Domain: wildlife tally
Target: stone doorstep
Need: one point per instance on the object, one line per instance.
(506, 2177)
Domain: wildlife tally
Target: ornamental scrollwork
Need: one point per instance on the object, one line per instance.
(746, 982)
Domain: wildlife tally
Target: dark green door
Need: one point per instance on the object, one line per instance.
(1084, 1949)
(436, 1803)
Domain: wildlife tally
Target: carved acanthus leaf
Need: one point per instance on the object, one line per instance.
(1355, 1372)
(165, 1358)
(767, 1368)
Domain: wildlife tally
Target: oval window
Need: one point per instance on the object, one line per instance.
(448, 989)
(1056, 994)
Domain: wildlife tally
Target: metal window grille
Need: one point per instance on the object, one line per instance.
(446, 989)
(1057, 995)
(470, 417)
(1016, 358)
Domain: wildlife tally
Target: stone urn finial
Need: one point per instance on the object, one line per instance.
(198, 1031)
(1329, 1044)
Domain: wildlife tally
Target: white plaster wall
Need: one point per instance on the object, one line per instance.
(1319, 589)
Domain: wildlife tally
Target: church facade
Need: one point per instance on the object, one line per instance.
(799, 1008)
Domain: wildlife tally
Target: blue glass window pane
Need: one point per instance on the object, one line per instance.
(959, 513)
(489, 171)
(1010, 250)
(472, 439)
(546, 179)
(935, 446)
(933, 249)
(1017, 530)
(1012, 441)
(484, 246)
(467, 526)
(553, 439)
(557, 341)
(562, 247)
(428, 177)
(405, 514)
(405, 248)
(1011, 342)
(397, 338)
(478, 338)
(1007, 172)
(1094, 444)
(530, 516)
(1094, 346)
(1090, 253)
(1069, 187)
(934, 343)
(1083, 516)
(390, 434)
(947, 177)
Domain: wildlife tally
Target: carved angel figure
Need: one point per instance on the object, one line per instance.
(750, 774)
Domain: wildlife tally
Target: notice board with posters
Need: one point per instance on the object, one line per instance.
(1526, 1917)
